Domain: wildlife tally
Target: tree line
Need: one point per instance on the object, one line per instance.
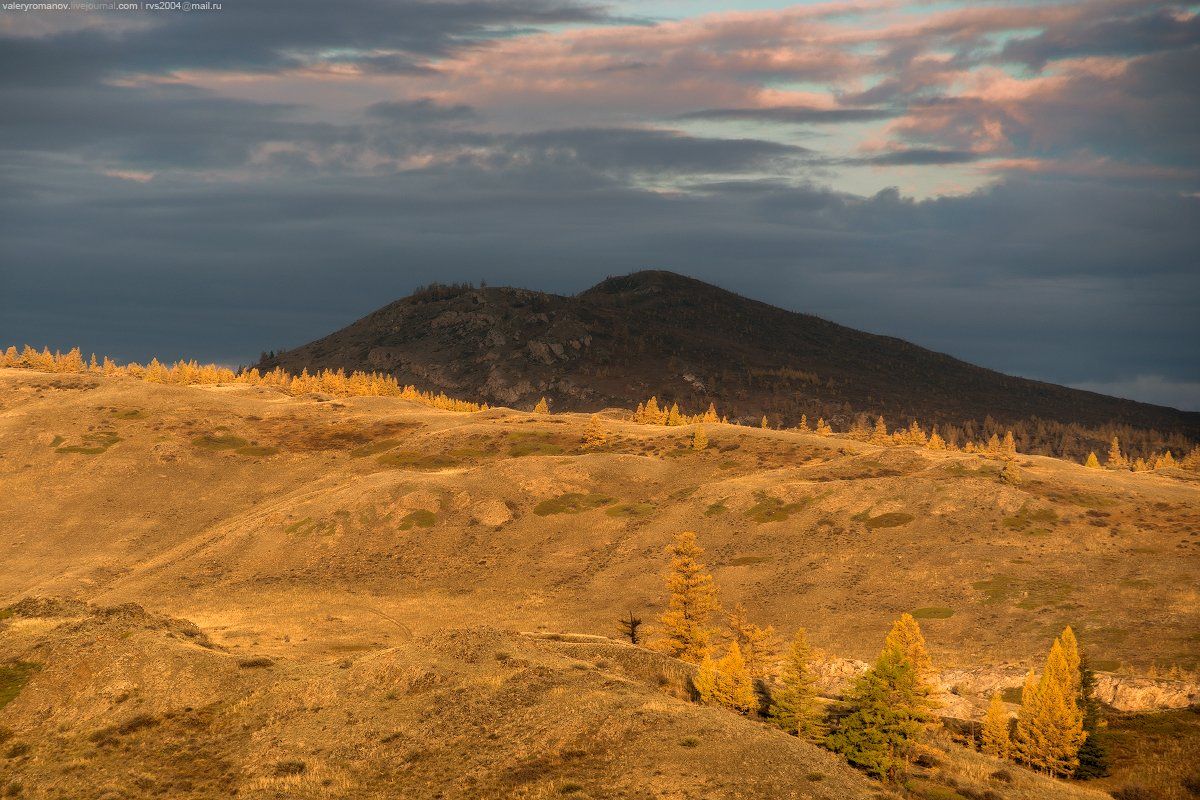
(999, 443)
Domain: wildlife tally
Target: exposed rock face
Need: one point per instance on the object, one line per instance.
(964, 693)
(1144, 694)
(657, 333)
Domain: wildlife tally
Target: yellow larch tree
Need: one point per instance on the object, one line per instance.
(759, 646)
(994, 739)
(726, 682)
(906, 637)
(1165, 461)
(1008, 448)
(916, 434)
(710, 416)
(764, 423)
(803, 426)
(1092, 461)
(595, 435)
(1116, 460)
(823, 428)
(699, 438)
(1024, 744)
(1050, 725)
(542, 407)
(993, 445)
(674, 418)
(693, 600)
(936, 442)
(1070, 646)
(880, 434)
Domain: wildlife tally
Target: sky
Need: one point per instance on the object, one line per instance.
(1016, 184)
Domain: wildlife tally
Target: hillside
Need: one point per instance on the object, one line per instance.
(351, 565)
(662, 334)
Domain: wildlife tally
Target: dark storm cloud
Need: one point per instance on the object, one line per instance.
(655, 151)
(423, 111)
(794, 114)
(1146, 113)
(273, 34)
(1158, 30)
(151, 127)
(914, 157)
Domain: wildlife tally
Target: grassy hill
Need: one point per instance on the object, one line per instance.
(333, 553)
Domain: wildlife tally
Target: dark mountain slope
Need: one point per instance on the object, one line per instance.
(658, 333)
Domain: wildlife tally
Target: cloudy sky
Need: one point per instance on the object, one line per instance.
(1017, 184)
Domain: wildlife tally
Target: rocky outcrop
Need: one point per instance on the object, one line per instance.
(964, 693)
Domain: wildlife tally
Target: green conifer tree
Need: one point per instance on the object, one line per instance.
(793, 702)
(886, 715)
(1093, 755)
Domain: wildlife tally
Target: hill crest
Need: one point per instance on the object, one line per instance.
(683, 340)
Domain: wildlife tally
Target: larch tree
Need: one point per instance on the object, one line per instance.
(595, 435)
(916, 434)
(993, 445)
(1011, 474)
(793, 703)
(1092, 461)
(1116, 460)
(693, 600)
(759, 646)
(699, 438)
(906, 637)
(803, 426)
(1024, 744)
(765, 423)
(880, 434)
(542, 407)
(650, 414)
(1008, 448)
(1070, 646)
(823, 428)
(710, 416)
(726, 682)
(886, 715)
(935, 442)
(994, 738)
(674, 418)
(1050, 730)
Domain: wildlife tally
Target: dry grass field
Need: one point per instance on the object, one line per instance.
(373, 590)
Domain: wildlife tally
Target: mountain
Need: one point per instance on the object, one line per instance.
(663, 334)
